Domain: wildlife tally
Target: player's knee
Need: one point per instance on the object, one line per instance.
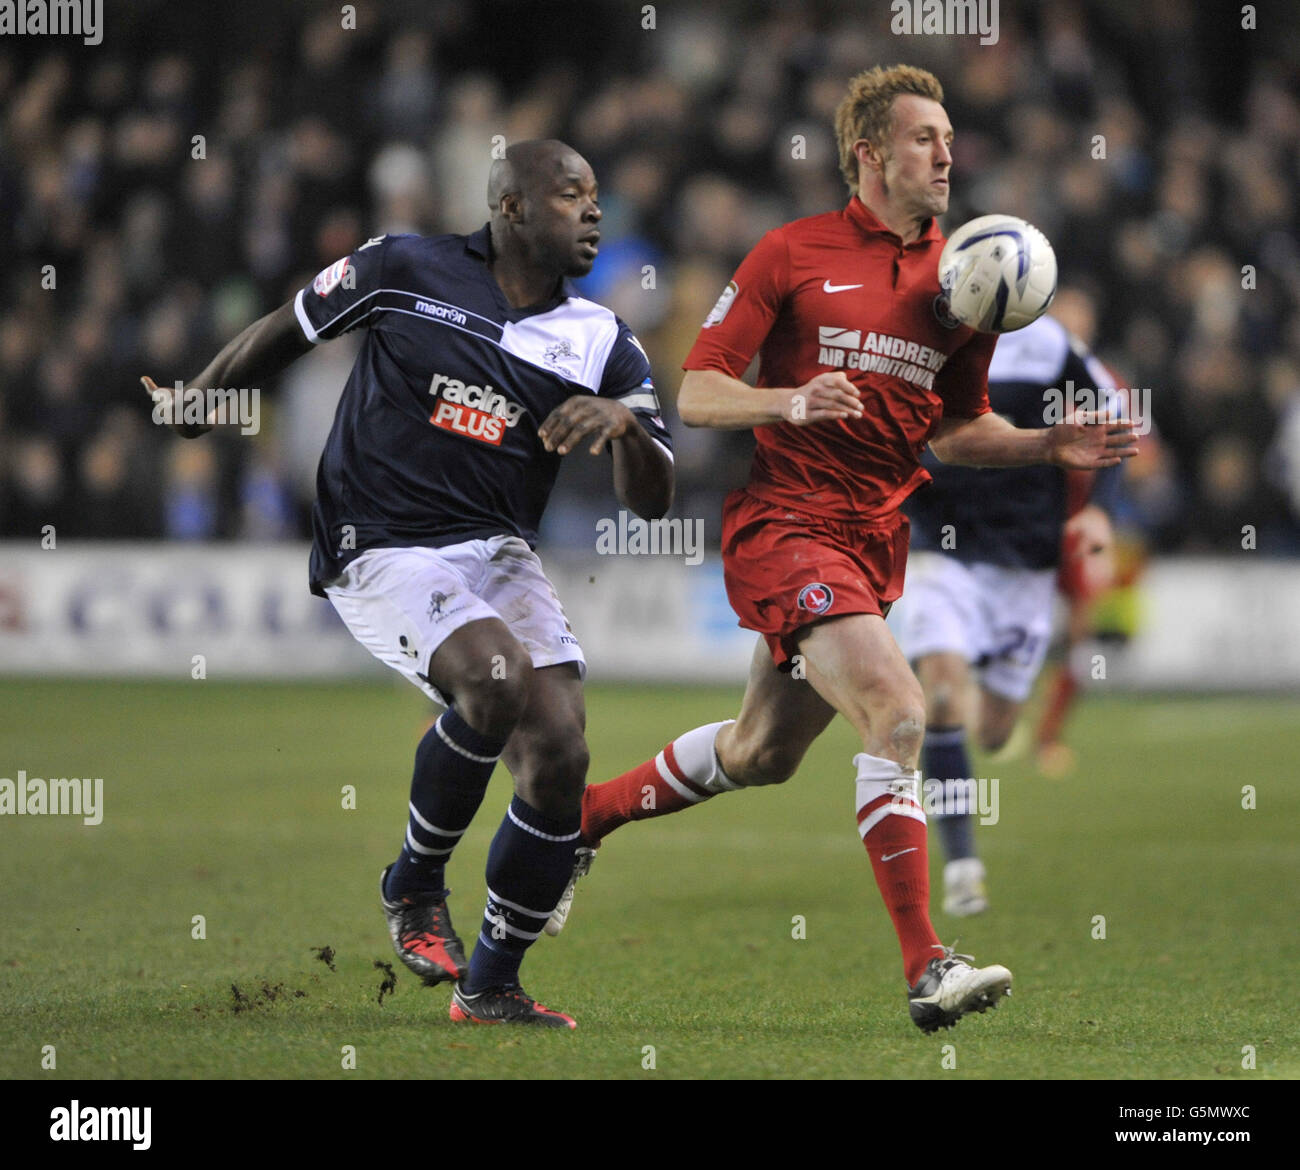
(566, 763)
(904, 719)
(993, 737)
(491, 696)
(941, 704)
(906, 734)
(552, 771)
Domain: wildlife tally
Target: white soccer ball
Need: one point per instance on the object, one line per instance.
(998, 273)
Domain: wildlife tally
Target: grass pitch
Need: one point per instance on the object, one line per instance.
(680, 959)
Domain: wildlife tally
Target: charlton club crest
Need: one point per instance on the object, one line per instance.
(816, 598)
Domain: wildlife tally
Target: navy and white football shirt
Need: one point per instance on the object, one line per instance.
(435, 437)
(1012, 516)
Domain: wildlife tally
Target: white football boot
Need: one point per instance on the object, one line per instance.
(963, 888)
(582, 858)
(950, 987)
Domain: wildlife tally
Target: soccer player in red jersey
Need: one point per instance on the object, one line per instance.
(861, 366)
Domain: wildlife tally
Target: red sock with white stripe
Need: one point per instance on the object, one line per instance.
(891, 824)
(685, 773)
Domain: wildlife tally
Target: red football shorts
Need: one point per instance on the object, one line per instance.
(785, 570)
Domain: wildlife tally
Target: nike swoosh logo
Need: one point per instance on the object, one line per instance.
(834, 288)
(891, 856)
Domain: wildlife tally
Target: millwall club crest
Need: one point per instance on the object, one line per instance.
(558, 354)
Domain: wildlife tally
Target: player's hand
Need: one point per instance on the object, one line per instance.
(1089, 442)
(822, 399)
(585, 418)
(163, 398)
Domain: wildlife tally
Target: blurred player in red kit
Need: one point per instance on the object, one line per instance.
(861, 366)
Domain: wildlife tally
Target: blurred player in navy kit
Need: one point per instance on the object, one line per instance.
(982, 575)
(481, 367)
(859, 370)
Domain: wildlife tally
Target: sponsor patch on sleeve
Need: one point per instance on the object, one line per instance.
(327, 280)
(720, 310)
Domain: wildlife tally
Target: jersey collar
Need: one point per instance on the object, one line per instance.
(479, 244)
(865, 219)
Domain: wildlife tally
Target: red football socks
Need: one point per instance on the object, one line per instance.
(891, 823)
(686, 772)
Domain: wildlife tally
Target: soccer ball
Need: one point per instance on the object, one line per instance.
(998, 273)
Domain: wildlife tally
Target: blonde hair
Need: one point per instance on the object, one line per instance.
(866, 110)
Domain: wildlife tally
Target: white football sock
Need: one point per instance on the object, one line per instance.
(696, 757)
(879, 777)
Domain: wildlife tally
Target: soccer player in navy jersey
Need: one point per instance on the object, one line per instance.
(481, 367)
(861, 366)
(982, 574)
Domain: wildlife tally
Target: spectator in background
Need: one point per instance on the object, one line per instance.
(1157, 154)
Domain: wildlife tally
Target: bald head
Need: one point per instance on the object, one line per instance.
(532, 166)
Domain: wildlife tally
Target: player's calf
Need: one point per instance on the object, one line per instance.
(531, 857)
(754, 760)
(453, 764)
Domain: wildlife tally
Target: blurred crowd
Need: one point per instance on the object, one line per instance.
(165, 188)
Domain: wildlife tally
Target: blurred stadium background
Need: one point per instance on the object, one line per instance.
(1178, 254)
(127, 552)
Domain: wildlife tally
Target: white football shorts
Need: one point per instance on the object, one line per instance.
(998, 619)
(401, 604)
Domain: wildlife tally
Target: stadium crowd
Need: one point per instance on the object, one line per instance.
(156, 200)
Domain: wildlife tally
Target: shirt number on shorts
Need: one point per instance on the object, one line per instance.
(1016, 644)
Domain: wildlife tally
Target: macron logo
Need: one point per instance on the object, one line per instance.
(443, 312)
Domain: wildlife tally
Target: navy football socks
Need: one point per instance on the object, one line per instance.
(529, 864)
(453, 765)
(944, 759)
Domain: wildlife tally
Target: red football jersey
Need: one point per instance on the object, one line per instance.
(840, 291)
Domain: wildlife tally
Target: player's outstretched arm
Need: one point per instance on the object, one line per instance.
(710, 398)
(261, 351)
(643, 470)
(1084, 443)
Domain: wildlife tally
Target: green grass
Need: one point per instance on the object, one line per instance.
(225, 801)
